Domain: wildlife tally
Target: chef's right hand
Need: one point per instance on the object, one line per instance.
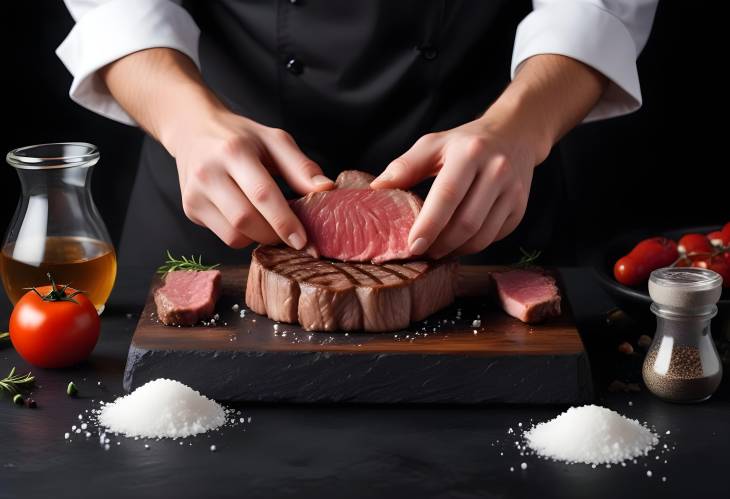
(225, 164)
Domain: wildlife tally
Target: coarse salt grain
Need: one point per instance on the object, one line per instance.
(162, 408)
(591, 434)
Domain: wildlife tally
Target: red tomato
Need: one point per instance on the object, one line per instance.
(726, 229)
(719, 238)
(650, 254)
(54, 332)
(694, 243)
(719, 263)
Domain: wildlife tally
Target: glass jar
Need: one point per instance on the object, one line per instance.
(56, 228)
(682, 364)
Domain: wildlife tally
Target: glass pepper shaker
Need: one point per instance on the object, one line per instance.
(682, 364)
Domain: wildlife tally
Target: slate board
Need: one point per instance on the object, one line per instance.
(247, 359)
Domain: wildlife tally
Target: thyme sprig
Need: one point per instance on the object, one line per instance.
(13, 383)
(184, 263)
(528, 258)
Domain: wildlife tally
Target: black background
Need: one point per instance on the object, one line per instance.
(659, 167)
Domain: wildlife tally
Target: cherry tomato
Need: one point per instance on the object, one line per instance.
(726, 228)
(720, 263)
(650, 254)
(719, 238)
(694, 243)
(55, 327)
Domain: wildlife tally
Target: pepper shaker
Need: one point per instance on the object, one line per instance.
(682, 364)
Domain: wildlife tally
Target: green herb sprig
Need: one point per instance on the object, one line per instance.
(183, 263)
(528, 258)
(13, 383)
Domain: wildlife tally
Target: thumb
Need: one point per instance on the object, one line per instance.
(419, 162)
(300, 173)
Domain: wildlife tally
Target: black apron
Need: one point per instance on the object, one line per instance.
(356, 83)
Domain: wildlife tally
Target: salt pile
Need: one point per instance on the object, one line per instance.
(162, 408)
(591, 434)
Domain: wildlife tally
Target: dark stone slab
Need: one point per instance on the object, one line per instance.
(252, 359)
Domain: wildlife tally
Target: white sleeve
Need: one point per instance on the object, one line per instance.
(107, 30)
(607, 35)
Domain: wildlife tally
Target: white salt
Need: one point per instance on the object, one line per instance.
(162, 408)
(591, 434)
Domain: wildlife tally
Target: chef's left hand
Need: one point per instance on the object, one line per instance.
(483, 173)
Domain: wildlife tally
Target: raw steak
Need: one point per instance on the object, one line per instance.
(529, 295)
(354, 223)
(354, 179)
(292, 286)
(187, 297)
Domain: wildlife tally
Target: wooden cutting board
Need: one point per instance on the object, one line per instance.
(441, 360)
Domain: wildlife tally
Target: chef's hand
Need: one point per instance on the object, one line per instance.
(225, 161)
(225, 166)
(484, 168)
(483, 175)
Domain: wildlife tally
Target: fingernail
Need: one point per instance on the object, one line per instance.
(296, 241)
(321, 180)
(419, 246)
(384, 177)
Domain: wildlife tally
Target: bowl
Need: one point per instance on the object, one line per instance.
(635, 301)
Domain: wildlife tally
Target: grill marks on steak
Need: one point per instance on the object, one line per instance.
(292, 286)
(186, 297)
(528, 295)
(358, 224)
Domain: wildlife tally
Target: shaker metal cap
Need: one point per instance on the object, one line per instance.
(685, 287)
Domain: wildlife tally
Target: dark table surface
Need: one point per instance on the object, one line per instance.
(348, 451)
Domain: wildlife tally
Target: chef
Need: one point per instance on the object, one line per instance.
(248, 103)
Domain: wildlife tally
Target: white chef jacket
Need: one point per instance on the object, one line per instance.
(607, 35)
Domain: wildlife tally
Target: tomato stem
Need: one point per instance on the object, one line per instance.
(56, 294)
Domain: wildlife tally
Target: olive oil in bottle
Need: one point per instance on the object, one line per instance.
(88, 265)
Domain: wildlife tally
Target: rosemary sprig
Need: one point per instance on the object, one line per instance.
(528, 258)
(183, 263)
(13, 383)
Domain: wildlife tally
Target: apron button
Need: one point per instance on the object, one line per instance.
(428, 52)
(294, 66)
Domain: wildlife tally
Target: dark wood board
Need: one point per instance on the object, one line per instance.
(248, 359)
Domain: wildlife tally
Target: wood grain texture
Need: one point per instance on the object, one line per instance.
(249, 359)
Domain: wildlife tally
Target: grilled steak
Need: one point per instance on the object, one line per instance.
(292, 286)
(187, 297)
(530, 296)
(354, 223)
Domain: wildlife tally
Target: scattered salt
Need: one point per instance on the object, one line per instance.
(649, 473)
(212, 448)
(66, 435)
(591, 434)
(476, 323)
(234, 307)
(162, 408)
(523, 466)
(84, 426)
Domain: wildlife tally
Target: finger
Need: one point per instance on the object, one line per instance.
(238, 210)
(261, 190)
(421, 161)
(468, 217)
(447, 192)
(300, 173)
(493, 223)
(509, 225)
(209, 216)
